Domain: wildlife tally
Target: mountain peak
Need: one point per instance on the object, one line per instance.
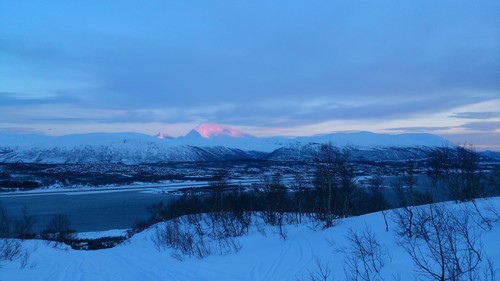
(209, 130)
(162, 136)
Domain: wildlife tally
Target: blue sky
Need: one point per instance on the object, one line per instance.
(264, 67)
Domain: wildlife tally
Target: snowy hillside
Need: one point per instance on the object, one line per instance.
(263, 256)
(127, 151)
(299, 152)
(215, 135)
(207, 142)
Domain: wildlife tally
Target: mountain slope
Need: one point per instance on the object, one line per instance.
(309, 152)
(207, 142)
(129, 148)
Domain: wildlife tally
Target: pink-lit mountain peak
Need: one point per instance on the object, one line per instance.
(163, 136)
(209, 130)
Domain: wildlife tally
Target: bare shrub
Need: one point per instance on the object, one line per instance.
(486, 216)
(365, 257)
(322, 273)
(24, 258)
(10, 249)
(489, 272)
(58, 229)
(194, 236)
(23, 228)
(445, 245)
(334, 184)
(403, 217)
(275, 196)
(464, 176)
(5, 222)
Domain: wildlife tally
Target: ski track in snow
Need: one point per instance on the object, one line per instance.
(290, 259)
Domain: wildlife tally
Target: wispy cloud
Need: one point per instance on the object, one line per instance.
(420, 129)
(27, 99)
(476, 115)
(485, 126)
(18, 130)
(482, 141)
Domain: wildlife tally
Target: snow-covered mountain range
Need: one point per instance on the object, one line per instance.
(207, 142)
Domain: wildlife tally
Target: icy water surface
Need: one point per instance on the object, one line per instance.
(87, 212)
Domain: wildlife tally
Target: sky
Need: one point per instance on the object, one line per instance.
(288, 68)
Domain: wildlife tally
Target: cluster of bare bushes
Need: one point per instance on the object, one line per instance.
(200, 235)
(12, 233)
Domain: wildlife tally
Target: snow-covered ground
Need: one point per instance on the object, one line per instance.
(101, 234)
(262, 257)
(79, 190)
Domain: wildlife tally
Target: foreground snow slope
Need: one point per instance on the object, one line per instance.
(261, 258)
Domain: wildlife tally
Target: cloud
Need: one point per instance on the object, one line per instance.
(476, 115)
(481, 141)
(289, 112)
(485, 126)
(18, 130)
(420, 129)
(253, 53)
(8, 99)
(265, 113)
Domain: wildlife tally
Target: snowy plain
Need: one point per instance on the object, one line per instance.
(262, 257)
